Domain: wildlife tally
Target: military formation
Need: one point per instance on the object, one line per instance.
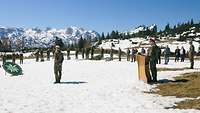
(153, 53)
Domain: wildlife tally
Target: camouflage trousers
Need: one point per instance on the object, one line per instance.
(58, 72)
(153, 70)
(191, 63)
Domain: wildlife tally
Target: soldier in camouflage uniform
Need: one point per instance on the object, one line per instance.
(128, 54)
(152, 54)
(21, 58)
(102, 52)
(76, 53)
(58, 64)
(4, 58)
(83, 53)
(111, 54)
(13, 58)
(92, 52)
(191, 55)
(41, 55)
(37, 55)
(68, 54)
(48, 54)
(120, 53)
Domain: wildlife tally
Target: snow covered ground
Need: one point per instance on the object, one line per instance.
(87, 87)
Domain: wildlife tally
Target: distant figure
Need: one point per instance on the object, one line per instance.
(134, 52)
(76, 53)
(128, 54)
(58, 64)
(68, 54)
(191, 55)
(92, 52)
(120, 53)
(102, 53)
(41, 56)
(166, 53)
(143, 50)
(111, 53)
(177, 54)
(37, 55)
(152, 54)
(83, 53)
(4, 58)
(159, 56)
(48, 54)
(13, 58)
(21, 58)
(182, 54)
(87, 52)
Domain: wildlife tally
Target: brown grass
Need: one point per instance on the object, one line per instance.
(187, 85)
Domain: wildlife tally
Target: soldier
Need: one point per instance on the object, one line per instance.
(92, 52)
(111, 54)
(159, 55)
(58, 64)
(128, 54)
(87, 52)
(134, 52)
(177, 54)
(182, 54)
(37, 55)
(191, 55)
(120, 53)
(13, 58)
(152, 54)
(21, 57)
(83, 53)
(102, 52)
(41, 56)
(166, 53)
(48, 54)
(76, 53)
(68, 54)
(4, 58)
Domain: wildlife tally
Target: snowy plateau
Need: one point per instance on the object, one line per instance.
(86, 87)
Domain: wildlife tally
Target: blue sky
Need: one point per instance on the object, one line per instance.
(99, 15)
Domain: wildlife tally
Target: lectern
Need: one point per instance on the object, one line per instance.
(143, 68)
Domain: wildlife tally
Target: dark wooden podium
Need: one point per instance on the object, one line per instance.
(143, 68)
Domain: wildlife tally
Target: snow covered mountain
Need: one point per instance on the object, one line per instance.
(141, 28)
(36, 37)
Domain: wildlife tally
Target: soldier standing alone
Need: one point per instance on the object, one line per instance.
(58, 64)
(152, 54)
(191, 55)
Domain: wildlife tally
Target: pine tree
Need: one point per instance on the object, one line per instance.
(103, 36)
(108, 36)
(192, 22)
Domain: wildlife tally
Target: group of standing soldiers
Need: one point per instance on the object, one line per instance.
(14, 56)
(39, 53)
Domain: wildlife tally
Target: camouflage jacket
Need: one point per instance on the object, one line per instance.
(58, 57)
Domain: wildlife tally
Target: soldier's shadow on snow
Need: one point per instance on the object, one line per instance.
(73, 82)
(162, 81)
